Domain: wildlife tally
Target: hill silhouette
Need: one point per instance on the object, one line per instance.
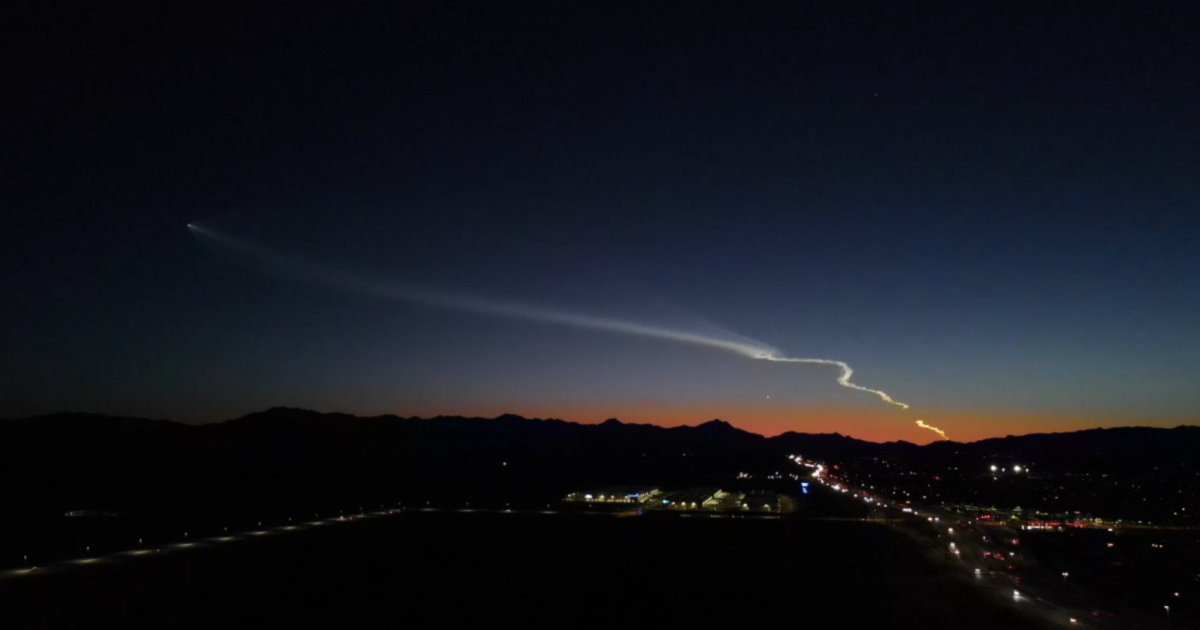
(285, 456)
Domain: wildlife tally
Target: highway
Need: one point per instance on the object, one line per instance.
(990, 557)
(199, 544)
(183, 545)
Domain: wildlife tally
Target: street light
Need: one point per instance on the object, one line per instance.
(1065, 574)
(1168, 612)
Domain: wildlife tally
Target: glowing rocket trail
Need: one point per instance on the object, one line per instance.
(921, 423)
(303, 270)
(843, 379)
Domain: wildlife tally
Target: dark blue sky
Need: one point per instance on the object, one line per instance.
(992, 214)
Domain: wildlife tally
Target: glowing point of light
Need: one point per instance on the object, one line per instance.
(921, 423)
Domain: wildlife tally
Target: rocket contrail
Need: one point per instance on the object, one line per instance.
(303, 270)
(843, 379)
(921, 423)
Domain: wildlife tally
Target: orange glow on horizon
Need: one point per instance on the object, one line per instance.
(875, 425)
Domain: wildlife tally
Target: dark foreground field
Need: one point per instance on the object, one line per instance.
(447, 569)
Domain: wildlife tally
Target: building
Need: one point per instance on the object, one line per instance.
(690, 499)
(760, 501)
(719, 497)
(617, 494)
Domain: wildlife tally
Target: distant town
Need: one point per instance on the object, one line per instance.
(706, 499)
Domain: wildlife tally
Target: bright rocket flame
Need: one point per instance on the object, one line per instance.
(303, 270)
(921, 423)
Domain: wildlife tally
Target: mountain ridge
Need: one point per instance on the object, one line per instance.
(281, 414)
(287, 456)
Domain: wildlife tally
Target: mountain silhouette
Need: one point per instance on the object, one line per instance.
(285, 456)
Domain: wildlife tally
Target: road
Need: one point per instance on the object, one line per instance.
(987, 556)
(184, 545)
(990, 556)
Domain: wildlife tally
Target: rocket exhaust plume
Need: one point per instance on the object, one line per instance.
(843, 378)
(921, 423)
(306, 271)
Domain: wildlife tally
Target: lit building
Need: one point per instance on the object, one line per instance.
(691, 498)
(717, 499)
(760, 501)
(617, 494)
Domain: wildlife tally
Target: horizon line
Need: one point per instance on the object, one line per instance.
(575, 422)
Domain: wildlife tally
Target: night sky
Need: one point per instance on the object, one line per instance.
(992, 216)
